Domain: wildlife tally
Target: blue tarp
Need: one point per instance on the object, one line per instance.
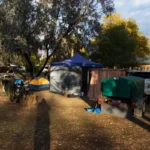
(77, 60)
(18, 81)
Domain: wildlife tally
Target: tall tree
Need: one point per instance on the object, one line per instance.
(23, 22)
(119, 43)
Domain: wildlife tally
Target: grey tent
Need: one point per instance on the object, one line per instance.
(70, 75)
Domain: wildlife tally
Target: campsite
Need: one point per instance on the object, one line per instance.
(61, 123)
(74, 74)
(53, 115)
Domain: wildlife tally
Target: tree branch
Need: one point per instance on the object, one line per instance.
(30, 64)
(70, 27)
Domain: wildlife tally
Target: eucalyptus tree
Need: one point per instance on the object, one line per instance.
(28, 24)
(119, 43)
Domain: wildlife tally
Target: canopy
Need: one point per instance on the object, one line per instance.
(39, 84)
(77, 60)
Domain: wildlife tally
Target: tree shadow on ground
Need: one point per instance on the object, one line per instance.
(146, 118)
(143, 122)
(140, 123)
(17, 127)
(80, 133)
(127, 114)
(42, 132)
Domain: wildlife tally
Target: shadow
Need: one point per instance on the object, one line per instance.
(70, 80)
(91, 103)
(121, 109)
(140, 123)
(17, 127)
(124, 88)
(121, 112)
(127, 114)
(146, 118)
(42, 132)
(91, 138)
(82, 133)
(66, 79)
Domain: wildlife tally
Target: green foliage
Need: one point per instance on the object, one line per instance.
(40, 63)
(37, 68)
(116, 47)
(17, 59)
(10, 90)
(119, 43)
(23, 22)
(49, 61)
(34, 59)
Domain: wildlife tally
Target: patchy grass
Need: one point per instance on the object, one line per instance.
(16, 127)
(1, 86)
(60, 123)
(29, 100)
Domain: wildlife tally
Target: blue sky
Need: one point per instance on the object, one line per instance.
(139, 10)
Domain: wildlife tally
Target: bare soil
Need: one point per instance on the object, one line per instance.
(61, 123)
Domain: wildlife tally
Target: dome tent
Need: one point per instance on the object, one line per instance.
(39, 84)
(70, 76)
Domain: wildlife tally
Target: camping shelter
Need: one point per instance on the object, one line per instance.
(70, 76)
(39, 84)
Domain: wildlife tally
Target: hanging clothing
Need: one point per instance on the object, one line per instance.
(94, 90)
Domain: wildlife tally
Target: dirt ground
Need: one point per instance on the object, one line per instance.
(60, 123)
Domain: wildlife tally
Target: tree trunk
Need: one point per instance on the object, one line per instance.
(70, 27)
(47, 58)
(30, 65)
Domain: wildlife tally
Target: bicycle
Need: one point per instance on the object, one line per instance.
(19, 90)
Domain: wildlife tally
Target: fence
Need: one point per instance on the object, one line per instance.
(97, 75)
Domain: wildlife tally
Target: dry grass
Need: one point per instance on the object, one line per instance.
(16, 127)
(3, 98)
(73, 128)
(60, 123)
(29, 100)
(1, 87)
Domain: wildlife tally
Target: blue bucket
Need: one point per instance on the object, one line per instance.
(97, 110)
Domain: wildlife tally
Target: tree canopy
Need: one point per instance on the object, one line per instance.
(24, 22)
(119, 43)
